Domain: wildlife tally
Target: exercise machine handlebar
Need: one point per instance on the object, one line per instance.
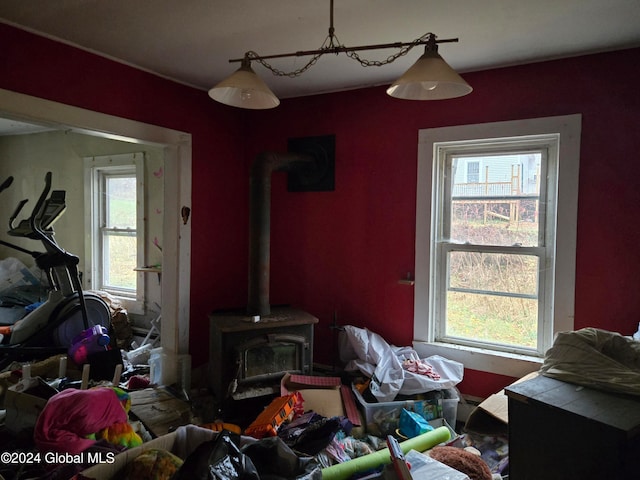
(39, 227)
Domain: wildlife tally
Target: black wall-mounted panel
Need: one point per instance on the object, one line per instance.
(316, 176)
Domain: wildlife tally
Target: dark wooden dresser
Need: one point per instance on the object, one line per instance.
(563, 431)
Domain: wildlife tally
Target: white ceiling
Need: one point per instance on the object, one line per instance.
(191, 41)
(14, 127)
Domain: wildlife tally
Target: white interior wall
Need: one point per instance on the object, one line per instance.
(28, 157)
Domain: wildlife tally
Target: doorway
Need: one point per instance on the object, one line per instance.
(176, 234)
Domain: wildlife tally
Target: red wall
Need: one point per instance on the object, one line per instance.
(42, 68)
(343, 252)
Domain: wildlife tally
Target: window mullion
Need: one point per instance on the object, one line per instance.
(509, 249)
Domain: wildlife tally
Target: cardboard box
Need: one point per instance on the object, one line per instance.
(181, 442)
(324, 395)
(492, 415)
(114, 469)
(24, 401)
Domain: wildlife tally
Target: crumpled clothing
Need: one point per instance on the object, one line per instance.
(421, 368)
(71, 415)
(120, 434)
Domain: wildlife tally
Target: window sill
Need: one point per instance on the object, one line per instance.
(502, 363)
(130, 304)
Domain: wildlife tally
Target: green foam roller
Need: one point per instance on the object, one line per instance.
(425, 441)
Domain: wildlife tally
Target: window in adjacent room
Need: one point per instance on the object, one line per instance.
(495, 257)
(115, 216)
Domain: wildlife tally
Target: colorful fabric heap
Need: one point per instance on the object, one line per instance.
(123, 397)
(72, 416)
(120, 434)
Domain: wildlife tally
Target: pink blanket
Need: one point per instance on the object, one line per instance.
(71, 415)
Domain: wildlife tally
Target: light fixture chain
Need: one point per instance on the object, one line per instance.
(324, 48)
(329, 46)
(280, 73)
(391, 58)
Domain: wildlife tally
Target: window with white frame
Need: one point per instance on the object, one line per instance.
(115, 219)
(495, 253)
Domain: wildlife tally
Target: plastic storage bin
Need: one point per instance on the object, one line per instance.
(167, 368)
(381, 418)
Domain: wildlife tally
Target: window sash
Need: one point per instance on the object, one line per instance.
(105, 175)
(106, 234)
(443, 287)
(445, 154)
(447, 248)
(562, 258)
(98, 171)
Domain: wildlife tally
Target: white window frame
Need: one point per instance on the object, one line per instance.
(442, 246)
(95, 170)
(565, 196)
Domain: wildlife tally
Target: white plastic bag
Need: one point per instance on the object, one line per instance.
(375, 359)
(14, 273)
(451, 373)
(423, 466)
(369, 353)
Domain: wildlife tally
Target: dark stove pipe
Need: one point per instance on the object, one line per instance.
(260, 225)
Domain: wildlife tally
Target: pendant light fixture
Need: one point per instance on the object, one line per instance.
(430, 78)
(244, 89)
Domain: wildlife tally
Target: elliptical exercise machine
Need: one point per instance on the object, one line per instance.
(67, 310)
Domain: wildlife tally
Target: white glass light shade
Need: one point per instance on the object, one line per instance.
(430, 78)
(244, 89)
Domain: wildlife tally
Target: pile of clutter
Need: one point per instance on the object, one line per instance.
(388, 408)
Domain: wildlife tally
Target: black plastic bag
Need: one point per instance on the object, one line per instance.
(311, 433)
(218, 459)
(274, 460)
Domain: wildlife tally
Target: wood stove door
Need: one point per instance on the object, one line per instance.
(270, 356)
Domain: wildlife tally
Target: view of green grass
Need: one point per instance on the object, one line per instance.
(121, 249)
(492, 319)
(487, 315)
(122, 261)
